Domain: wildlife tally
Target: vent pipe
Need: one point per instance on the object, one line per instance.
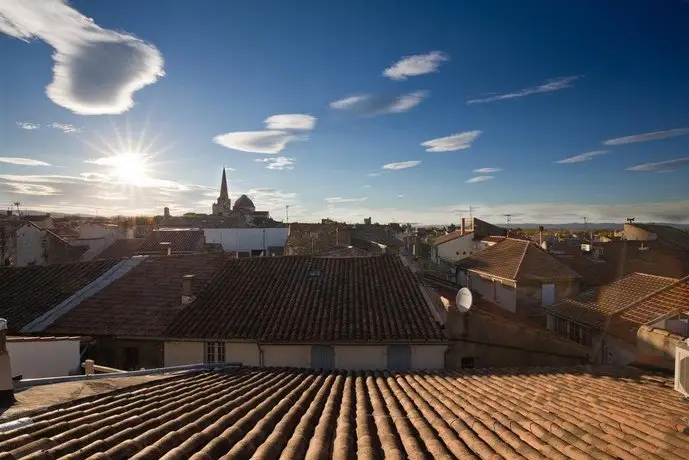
(6, 384)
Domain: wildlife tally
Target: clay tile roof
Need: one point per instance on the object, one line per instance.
(303, 238)
(449, 237)
(302, 298)
(519, 260)
(493, 239)
(580, 412)
(28, 292)
(121, 248)
(143, 301)
(180, 241)
(345, 251)
(670, 300)
(377, 234)
(592, 307)
(667, 233)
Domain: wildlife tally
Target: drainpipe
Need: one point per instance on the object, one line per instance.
(260, 353)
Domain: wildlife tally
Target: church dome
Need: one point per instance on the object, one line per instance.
(244, 203)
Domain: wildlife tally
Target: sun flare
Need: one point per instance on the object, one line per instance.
(130, 167)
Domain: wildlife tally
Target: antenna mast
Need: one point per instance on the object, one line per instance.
(287, 206)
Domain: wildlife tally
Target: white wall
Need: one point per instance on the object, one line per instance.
(246, 239)
(361, 357)
(29, 248)
(44, 358)
(506, 297)
(428, 356)
(287, 355)
(180, 353)
(89, 230)
(456, 249)
(493, 291)
(245, 353)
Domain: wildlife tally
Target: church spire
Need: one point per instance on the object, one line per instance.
(223, 187)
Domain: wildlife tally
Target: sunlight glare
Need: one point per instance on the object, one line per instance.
(130, 167)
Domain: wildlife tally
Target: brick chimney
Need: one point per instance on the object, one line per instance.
(6, 384)
(462, 228)
(187, 289)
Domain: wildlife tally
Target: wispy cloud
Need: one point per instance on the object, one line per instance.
(23, 188)
(290, 121)
(367, 186)
(418, 64)
(40, 179)
(370, 105)
(459, 141)
(400, 196)
(269, 141)
(401, 165)
(555, 84)
(647, 137)
(339, 199)
(376, 174)
(23, 161)
(65, 128)
(664, 166)
(22, 124)
(96, 70)
(487, 170)
(480, 179)
(582, 157)
(277, 163)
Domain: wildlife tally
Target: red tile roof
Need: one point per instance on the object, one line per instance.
(592, 307)
(519, 260)
(180, 241)
(442, 239)
(28, 292)
(345, 251)
(672, 299)
(121, 248)
(578, 412)
(308, 239)
(667, 233)
(144, 301)
(300, 298)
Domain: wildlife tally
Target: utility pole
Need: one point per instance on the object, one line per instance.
(287, 213)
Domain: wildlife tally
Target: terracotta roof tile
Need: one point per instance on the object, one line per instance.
(673, 299)
(667, 234)
(308, 239)
(121, 248)
(585, 412)
(377, 234)
(450, 237)
(345, 251)
(592, 307)
(28, 292)
(519, 260)
(144, 301)
(300, 298)
(180, 241)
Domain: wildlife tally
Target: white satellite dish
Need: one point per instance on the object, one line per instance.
(464, 299)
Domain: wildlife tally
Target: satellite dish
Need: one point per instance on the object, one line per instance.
(464, 299)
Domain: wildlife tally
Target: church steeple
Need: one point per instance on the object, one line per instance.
(223, 188)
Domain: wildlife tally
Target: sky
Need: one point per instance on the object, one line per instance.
(547, 111)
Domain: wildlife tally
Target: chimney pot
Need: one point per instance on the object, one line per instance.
(6, 384)
(187, 285)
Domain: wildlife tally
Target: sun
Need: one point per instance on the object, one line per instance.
(130, 167)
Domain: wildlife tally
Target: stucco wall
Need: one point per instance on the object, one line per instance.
(246, 239)
(179, 353)
(361, 357)
(287, 355)
(456, 249)
(245, 353)
(530, 293)
(35, 359)
(428, 356)
(498, 292)
(29, 248)
(656, 347)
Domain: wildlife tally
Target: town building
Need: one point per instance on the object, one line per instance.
(472, 236)
(656, 232)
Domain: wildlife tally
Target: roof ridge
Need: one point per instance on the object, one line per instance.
(521, 260)
(647, 296)
(654, 276)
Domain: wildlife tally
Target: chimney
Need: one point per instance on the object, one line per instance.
(187, 285)
(166, 212)
(6, 384)
(462, 226)
(166, 247)
(540, 235)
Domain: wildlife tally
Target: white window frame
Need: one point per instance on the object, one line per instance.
(214, 352)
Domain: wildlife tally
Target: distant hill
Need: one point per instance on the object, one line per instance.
(576, 226)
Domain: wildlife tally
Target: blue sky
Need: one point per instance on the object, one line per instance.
(575, 109)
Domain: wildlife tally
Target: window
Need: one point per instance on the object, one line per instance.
(468, 363)
(587, 338)
(399, 357)
(214, 352)
(575, 332)
(322, 357)
(561, 326)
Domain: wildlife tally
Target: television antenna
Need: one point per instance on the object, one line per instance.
(630, 220)
(17, 204)
(464, 299)
(287, 206)
(509, 218)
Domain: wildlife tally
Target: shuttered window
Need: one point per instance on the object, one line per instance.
(322, 357)
(399, 357)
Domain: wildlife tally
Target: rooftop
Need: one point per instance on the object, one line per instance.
(579, 412)
(307, 239)
(121, 248)
(446, 238)
(592, 307)
(28, 292)
(667, 234)
(180, 241)
(302, 298)
(518, 260)
(672, 299)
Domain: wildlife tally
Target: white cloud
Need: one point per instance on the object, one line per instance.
(95, 177)
(338, 199)
(376, 174)
(555, 84)
(23, 188)
(40, 179)
(488, 170)
(480, 179)
(367, 186)
(459, 141)
(647, 136)
(23, 124)
(273, 141)
(277, 163)
(370, 105)
(23, 161)
(290, 121)
(661, 166)
(419, 64)
(401, 165)
(582, 157)
(65, 128)
(96, 70)
(349, 102)
(400, 196)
